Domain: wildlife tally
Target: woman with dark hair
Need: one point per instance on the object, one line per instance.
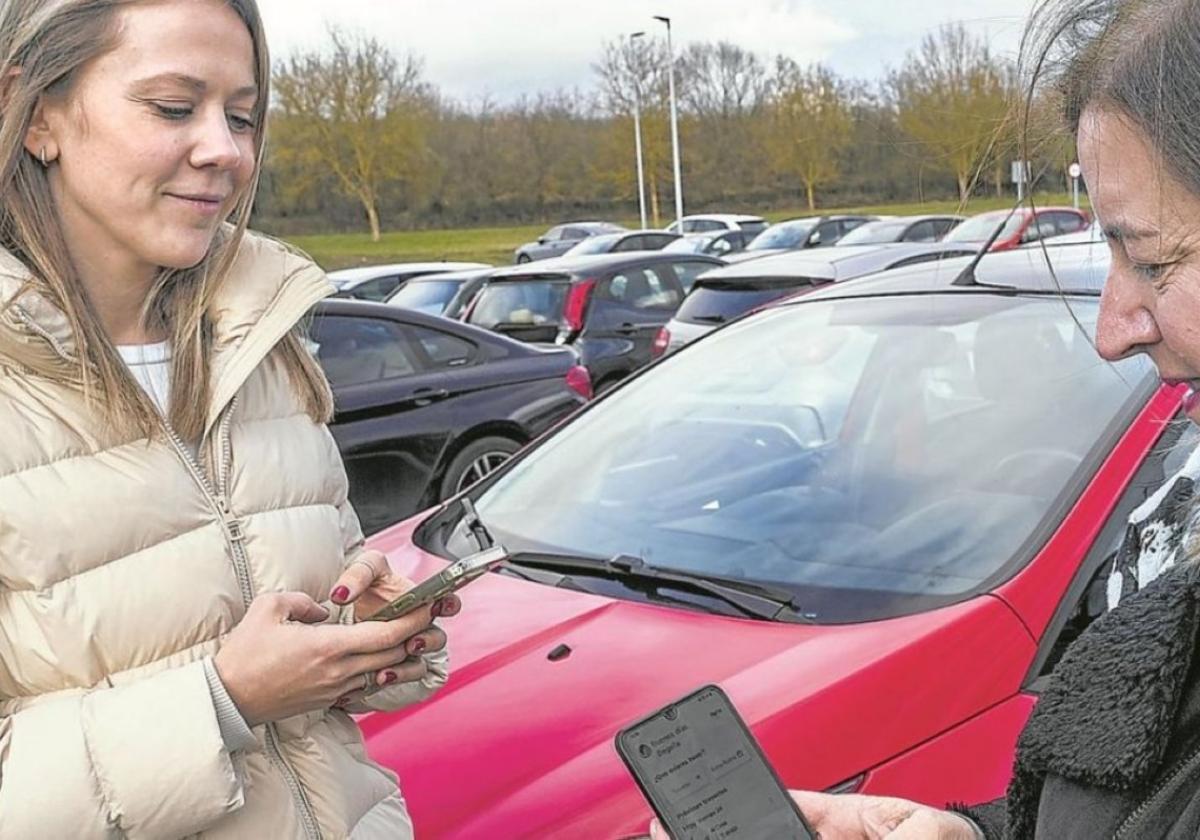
(1112, 749)
(181, 577)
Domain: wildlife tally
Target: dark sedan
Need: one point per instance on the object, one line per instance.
(427, 406)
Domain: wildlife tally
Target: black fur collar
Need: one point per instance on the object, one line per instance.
(1108, 715)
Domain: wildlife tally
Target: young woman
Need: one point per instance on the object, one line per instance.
(180, 573)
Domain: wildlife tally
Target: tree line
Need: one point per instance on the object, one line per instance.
(361, 140)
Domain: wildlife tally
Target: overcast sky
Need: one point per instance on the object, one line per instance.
(503, 48)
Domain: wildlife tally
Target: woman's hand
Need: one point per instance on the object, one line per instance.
(370, 585)
(852, 817)
(283, 660)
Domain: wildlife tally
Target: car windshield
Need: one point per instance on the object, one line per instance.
(600, 244)
(786, 235)
(428, 296)
(873, 233)
(876, 456)
(520, 302)
(979, 228)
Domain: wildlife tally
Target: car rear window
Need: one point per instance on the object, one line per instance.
(715, 302)
(532, 302)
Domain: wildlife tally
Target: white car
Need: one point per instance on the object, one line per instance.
(715, 222)
(726, 293)
(378, 282)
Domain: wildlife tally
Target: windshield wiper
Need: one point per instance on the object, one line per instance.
(753, 599)
(710, 319)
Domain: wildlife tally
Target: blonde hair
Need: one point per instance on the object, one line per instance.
(43, 46)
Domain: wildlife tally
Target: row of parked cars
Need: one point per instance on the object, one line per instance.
(442, 371)
(836, 507)
(749, 237)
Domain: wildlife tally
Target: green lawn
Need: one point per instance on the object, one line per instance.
(496, 245)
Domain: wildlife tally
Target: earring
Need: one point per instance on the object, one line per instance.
(42, 157)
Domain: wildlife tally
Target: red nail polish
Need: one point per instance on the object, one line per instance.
(340, 594)
(418, 647)
(390, 677)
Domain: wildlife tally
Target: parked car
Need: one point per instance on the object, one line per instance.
(902, 229)
(874, 515)
(723, 294)
(560, 238)
(797, 234)
(715, 244)
(1022, 226)
(608, 307)
(713, 222)
(426, 406)
(378, 282)
(617, 243)
(441, 294)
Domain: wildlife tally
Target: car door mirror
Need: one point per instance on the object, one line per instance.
(541, 240)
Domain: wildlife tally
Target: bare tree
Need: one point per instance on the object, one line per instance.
(358, 111)
(954, 97)
(810, 126)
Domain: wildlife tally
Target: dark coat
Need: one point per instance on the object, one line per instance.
(1113, 747)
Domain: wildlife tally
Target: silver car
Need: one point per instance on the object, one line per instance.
(724, 294)
(561, 238)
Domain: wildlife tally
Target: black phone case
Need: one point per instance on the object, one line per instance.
(642, 784)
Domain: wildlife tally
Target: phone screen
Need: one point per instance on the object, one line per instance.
(705, 776)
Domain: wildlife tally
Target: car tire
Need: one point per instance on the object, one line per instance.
(476, 460)
(523, 258)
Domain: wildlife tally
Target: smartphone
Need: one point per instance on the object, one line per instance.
(705, 776)
(452, 578)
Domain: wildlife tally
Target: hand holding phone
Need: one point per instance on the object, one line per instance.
(450, 579)
(705, 776)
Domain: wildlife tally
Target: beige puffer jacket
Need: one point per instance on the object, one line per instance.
(122, 564)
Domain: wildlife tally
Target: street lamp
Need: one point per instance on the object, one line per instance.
(637, 134)
(674, 124)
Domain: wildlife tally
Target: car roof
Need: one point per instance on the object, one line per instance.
(830, 263)
(367, 309)
(597, 262)
(726, 217)
(1078, 269)
(593, 225)
(349, 277)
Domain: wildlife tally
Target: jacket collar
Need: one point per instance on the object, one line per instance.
(1108, 715)
(268, 290)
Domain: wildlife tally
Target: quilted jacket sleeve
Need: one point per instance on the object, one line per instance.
(404, 694)
(141, 760)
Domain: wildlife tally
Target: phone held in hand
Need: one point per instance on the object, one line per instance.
(705, 776)
(450, 579)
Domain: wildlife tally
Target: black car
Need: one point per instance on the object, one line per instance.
(426, 406)
(608, 307)
(441, 294)
(798, 234)
(616, 243)
(714, 243)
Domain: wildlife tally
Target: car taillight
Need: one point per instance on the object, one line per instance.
(576, 306)
(580, 381)
(662, 340)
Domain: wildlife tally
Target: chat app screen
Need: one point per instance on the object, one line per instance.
(706, 777)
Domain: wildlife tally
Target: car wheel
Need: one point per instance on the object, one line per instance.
(523, 258)
(477, 460)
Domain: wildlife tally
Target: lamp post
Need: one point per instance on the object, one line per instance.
(674, 124)
(637, 135)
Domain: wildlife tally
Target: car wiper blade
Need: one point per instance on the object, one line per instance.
(752, 599)
(710, 319)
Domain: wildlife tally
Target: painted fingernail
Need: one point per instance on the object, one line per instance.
(417, 646)
(341, 593)
(390, 677)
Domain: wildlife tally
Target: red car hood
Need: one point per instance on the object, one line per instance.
(519, 743)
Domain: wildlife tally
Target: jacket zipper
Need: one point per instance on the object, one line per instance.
(235, 538)
(1181, 767)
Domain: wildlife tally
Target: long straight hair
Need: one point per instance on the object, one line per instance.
(43, 46)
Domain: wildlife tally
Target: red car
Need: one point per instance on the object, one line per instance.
(874, 515)
(1022, 227)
